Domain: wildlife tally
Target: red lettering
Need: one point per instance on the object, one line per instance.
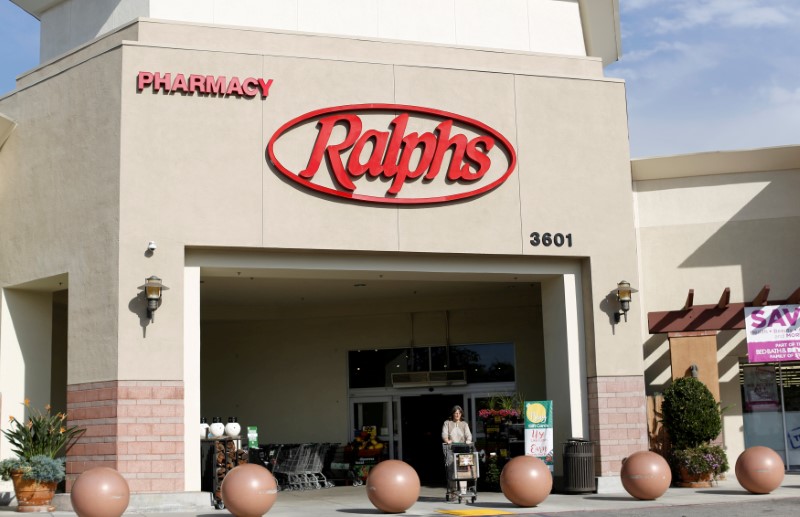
(249, 87)
(410, 144)
(392, 153)
(398, 125)
(207, 84)
(217, 86)
(334, 152)
(180, 84)
(480, 158)
(264, 87)
(160, 82)
(144, 80)
(458, 142)
(234, 87)
(374, 164)
(395, 156)
(197, 83)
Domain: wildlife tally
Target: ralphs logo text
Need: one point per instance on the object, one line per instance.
(390, 153)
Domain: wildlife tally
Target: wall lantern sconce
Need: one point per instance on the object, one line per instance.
(624, 291)
(152, 290)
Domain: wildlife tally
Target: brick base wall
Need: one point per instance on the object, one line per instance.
(135, 427)
(617, 420)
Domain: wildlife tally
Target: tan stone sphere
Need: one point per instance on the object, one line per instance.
(249, 490)
(393, 486)
(526, 481)
(645, 475)
(759, 470)
(100, 492)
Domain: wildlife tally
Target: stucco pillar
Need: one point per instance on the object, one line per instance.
(191, 376)
(564, 350)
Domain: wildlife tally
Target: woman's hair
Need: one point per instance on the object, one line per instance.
(453, 411)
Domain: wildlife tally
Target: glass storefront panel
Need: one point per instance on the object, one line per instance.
(484, 362)
(771, 408)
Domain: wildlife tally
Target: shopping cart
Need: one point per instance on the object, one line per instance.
(299, 466)
(462, 466)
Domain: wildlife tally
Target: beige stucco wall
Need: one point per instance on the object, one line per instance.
(59, 205)
(709, 232)
(570, 135)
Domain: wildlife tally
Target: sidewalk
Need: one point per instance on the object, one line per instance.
(344, 501)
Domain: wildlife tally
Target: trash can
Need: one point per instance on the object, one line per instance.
(578, 466)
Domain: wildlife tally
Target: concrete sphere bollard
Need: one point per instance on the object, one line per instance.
(100, 492)
(759, 470)
(249, 490)
(645, 475)
(526, 481)
(393, 486)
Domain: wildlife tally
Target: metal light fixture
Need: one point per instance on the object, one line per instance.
(624, 291)
(152, 290)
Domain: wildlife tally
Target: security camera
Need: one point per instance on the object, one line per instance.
(151, 246)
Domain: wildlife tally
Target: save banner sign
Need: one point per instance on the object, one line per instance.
(539, 430)
(773, 333)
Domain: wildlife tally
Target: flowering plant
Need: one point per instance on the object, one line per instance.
(487, 414)
(36, 443)
(701, 459)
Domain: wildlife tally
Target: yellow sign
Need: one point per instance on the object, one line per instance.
(537, 413)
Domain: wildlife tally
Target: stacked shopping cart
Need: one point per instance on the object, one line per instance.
(299, 466)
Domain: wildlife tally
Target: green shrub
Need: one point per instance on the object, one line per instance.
(40, 468)
(690, 413)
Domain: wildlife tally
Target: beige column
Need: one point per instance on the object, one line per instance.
(565, 359)
(191, 377)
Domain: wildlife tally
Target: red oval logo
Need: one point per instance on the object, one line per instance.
(391, 153)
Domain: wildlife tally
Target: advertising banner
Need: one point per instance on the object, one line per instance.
(539, 430)
(760, 389)
(773, 333)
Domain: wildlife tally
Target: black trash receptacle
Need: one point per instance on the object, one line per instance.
(578, 466)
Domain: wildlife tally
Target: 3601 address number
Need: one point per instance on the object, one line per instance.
(551, 239)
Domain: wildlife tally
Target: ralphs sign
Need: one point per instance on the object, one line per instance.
(391, 153)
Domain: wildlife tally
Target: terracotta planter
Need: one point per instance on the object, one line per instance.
(689, 480)
(33, 496)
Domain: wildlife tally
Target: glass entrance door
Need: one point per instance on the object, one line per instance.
(771, 408)
(380, 413)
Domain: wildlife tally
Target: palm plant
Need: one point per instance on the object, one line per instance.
(36, 444)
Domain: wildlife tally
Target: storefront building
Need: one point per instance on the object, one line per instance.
(710, 222)
(359, 227)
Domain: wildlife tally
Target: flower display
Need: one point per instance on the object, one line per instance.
(36, 444)
(701, 459)
(487, 414)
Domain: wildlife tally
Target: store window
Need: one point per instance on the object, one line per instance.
(485, 362)
(771, 407)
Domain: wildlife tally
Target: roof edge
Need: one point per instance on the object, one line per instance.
(717, 162)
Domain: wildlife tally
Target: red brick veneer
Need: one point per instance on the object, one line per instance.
(135, 427)
(617, 420)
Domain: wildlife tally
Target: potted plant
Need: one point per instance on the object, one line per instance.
(693, 419)
(35, 471)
